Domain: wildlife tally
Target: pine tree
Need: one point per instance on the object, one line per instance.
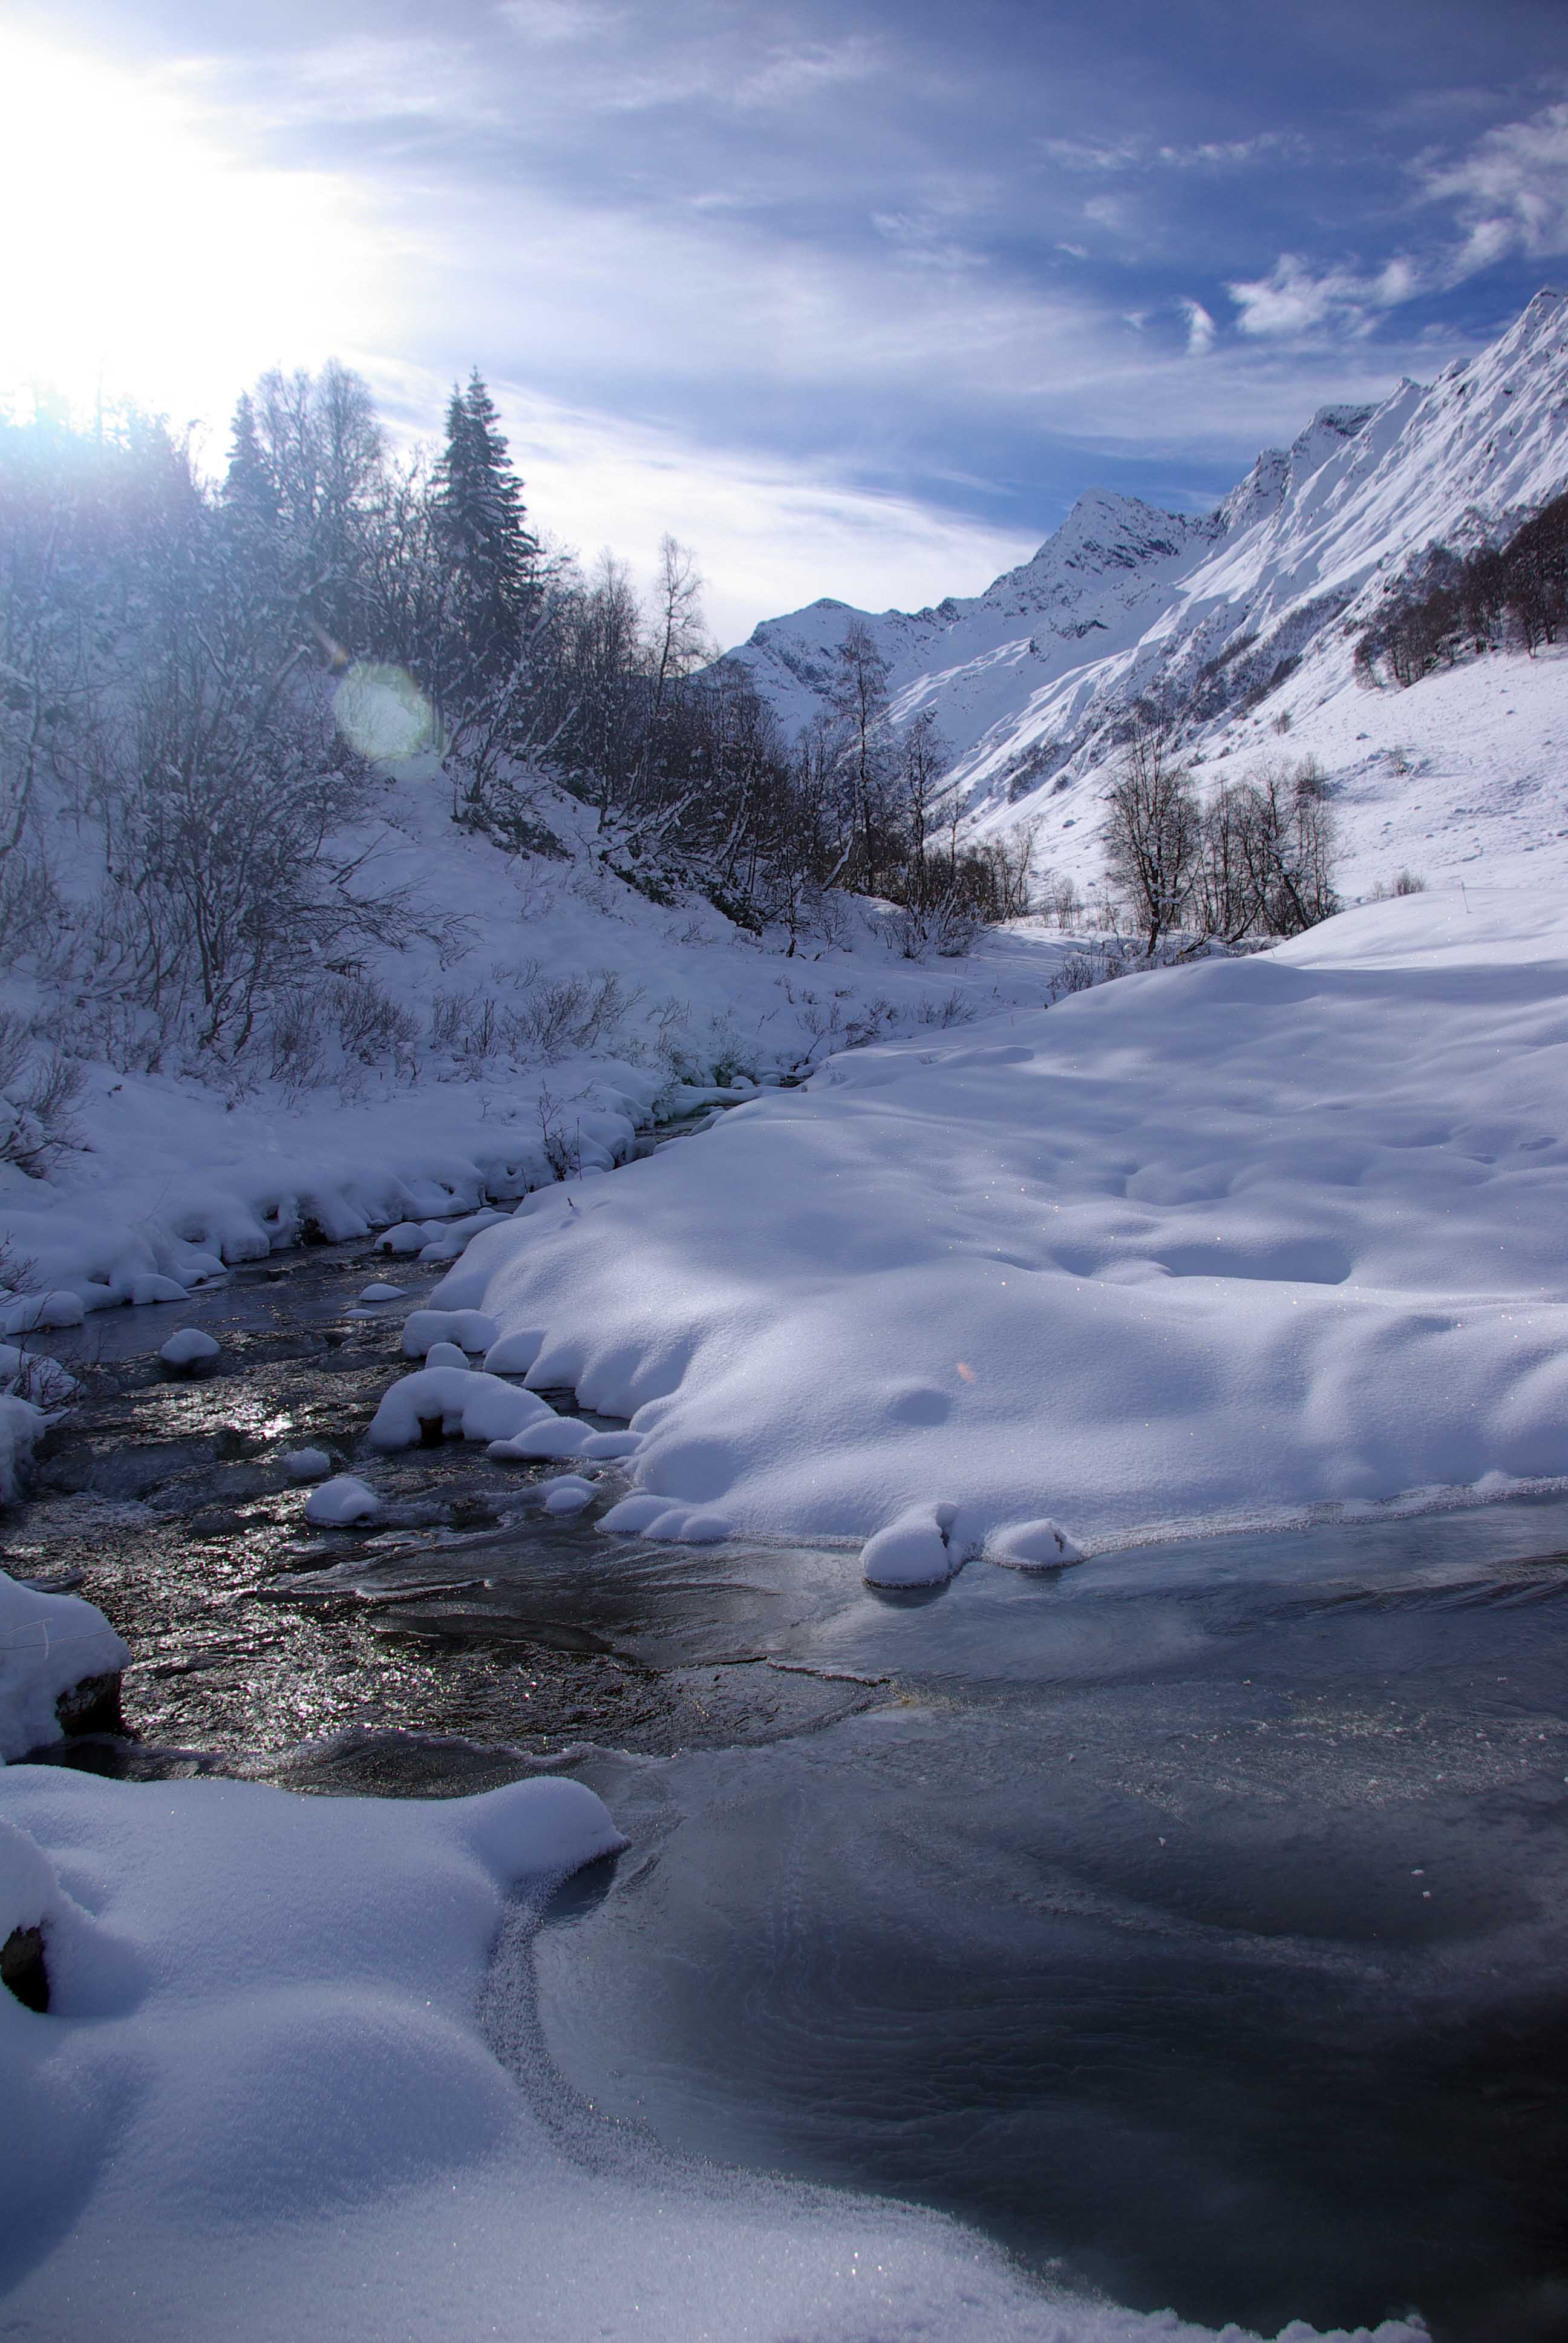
(481, 526)
(250, 490)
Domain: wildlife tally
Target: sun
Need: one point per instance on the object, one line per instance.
(149, 255)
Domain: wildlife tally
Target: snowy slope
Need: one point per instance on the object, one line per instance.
(1218, 1243)
(191, 1166)
(1234, 618)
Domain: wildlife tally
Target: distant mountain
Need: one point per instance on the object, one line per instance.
(1238, 619)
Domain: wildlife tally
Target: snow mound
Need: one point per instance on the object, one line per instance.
(1032, 1546)
(340, 1502)
(1215, 1243)
(382, 1293)
(549, 1435)
(406, 1237)
(454, 1242)
(612, 1443)
(467, 1404)
(567, 1492)
(48, 1643)
(913, 1551)
(151, 1288)
(657, 1517)
(447, 1354)
(469, 1329)
(308, 1464)
(188, 1347)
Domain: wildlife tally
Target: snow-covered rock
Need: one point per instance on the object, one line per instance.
(446, 1355)
(341, 1503)
(468, 1404)
(308, 1464)
(188, 1349)
(49, 1644)
(1032, 1546)
(379, 1291)
(912, 1550)
(566, 1492)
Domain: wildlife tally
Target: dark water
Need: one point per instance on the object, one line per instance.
(1192, 1923)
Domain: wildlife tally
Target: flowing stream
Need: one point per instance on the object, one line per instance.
(1191, 1920)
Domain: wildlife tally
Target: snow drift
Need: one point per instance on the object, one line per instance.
(1218, 1242)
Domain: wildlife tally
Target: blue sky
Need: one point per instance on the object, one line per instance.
(855, 300)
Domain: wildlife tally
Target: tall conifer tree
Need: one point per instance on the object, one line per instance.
(481, 526)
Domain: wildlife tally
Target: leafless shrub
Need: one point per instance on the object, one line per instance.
(372, 1027)
(1407, 882)
(563, 1147)
(561, 1015)
(1086, 970)
(38, 1084)
(295, 1040)
(466, 1026)
(955, 1007)
(18, 1270)
(1060, 900)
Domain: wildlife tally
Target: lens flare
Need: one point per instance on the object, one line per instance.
(382, 712)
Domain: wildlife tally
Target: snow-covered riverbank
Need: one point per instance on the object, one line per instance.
(1220, 1244)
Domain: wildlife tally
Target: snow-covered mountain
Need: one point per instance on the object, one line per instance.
(1243, 619)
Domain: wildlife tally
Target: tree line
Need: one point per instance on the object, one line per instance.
(1513, 596)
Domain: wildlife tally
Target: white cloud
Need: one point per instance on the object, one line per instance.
(1510, 193)
(1294, 300)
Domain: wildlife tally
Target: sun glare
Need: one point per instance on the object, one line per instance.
(146, 259)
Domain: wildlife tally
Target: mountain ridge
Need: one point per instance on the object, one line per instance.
(1224, 619)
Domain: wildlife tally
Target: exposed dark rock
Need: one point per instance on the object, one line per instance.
(21, 1969)
(91, 1707)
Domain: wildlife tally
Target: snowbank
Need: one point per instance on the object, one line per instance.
(1214, 1243)
(48, 1643)
(180, 1181)
(261, 2104)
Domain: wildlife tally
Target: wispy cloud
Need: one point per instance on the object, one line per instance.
(1507, 198)
(1509, 192)
(1296, 299)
